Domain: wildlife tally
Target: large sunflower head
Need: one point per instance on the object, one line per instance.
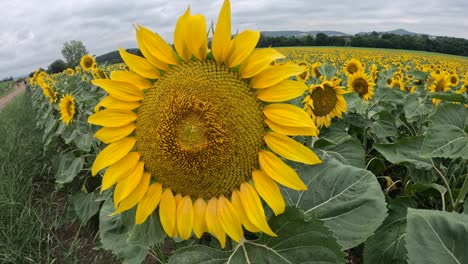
(352, 66)
(67, 108)
(87, 62)
(325, 101)
(188, 130)
(361, 83)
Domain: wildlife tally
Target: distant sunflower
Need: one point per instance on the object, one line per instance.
(359, 82)
(99, 74)
(69, 72)
(304, 76)
(87, 62)
(315, 72)
(49, 93)
(352, 66)
(454, 80)
(325, 101)
(194, 142)
(398, 84)
(440, 83)
(67, 108)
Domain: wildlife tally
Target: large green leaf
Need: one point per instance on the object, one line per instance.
(298, 241)
(435, 237)
(113, 231)
(84, 141)
(85, 205)
(384, 125)
(447, 136)
(68, 168)
(416, 105)
(451, 97)
(348, 152)
(405, 150)
(348, 199)
(148, 233)
(387, 245)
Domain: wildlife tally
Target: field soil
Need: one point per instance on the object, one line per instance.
(19, 88)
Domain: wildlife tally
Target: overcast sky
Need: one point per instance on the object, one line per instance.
(32, 32)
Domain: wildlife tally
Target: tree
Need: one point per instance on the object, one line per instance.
(57, 66)
(72, 51)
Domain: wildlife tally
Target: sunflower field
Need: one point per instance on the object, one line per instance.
(212, 151)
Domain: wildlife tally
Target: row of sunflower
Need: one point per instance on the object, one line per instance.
(221, 146)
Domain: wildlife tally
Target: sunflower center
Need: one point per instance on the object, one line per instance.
(88, 63)
(352, 68)
(69, 108)
(453, 79)
(199, 130)
(324, 100)
(360, 85)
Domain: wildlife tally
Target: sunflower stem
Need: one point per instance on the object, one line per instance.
(441, 175)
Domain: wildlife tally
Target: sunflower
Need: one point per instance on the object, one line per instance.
(352, 66)
(87, 62)
(187, 130)
(67, 108)
(440, 83)
(69, 72)
(315, 71)
(304, 76)
(78, 70)
(397, 83)
(99, 73)
(50, 93)
(325, 101)
(454, 80)
(361, 83)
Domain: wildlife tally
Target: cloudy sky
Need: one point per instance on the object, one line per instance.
(32, 32)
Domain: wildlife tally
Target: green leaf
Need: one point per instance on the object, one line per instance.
(392, 96)
(436, 237)
(298, 241)
(85, 205)
(348, 199)
(421, 176)
(465, 207)
(387, 245)
(405, 150)
(447, 136)
(69, 135)
(416, 106)
(147, 234)
(69, 167)
(384, 125)
(349, 152)
(113, 232)
(450, 97)
(84, 141)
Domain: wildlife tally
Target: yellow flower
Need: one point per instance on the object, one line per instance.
(187, 132)
(87, 62)
(315, 71)
(359, 82)
(67, 108)
(352, 66)
(440, 82)
(304, 76)
(325, 101)
(397, 83)
(69, 72)
(50, 93)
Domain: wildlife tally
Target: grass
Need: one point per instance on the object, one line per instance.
(34, 227)
(6, 87)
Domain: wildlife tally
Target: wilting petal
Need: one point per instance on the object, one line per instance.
(254, 209)
(279, 171)
(113, 134)
(139, 65)
(185, 217)
(229, 219)
(269, 191)
(167, 212)
(148, 203)
(282, 91)
(199, 222)
(275, 74)
(221, 42)
(112, 153)
(136, 195)
(126, 185)
(131, 77)
(119, 170)
(112, 118)
(237, 203)
(120, 90)
(212, 222)
(258, 61)
(290, 149)
(242, 46)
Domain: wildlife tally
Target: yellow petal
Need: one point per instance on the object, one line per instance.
(212, 222)
(126, 185)
(139, 65)
(258, 61)
(112, 153)
(237, 203)
(111, 102)
(290, 149)
(113, 134)
(221, 42)
(157, 46)
(254, 209)
(119, 170)
(180, 36)
(198, 44)
(279, 171)
(288, 115)
(199, 223)
(120, 90)
(275, 74)
(148, 203)
(167, 212)
(269, 191)
(282, 91)
(229, 219)
(112, 118)
(292, 131)
(136, 195)
(185, 217)
(242, 46)
(131, 77)
(147, 54)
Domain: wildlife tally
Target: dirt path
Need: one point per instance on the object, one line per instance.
(19, 87)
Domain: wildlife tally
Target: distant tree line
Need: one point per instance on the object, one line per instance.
(448, 45)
